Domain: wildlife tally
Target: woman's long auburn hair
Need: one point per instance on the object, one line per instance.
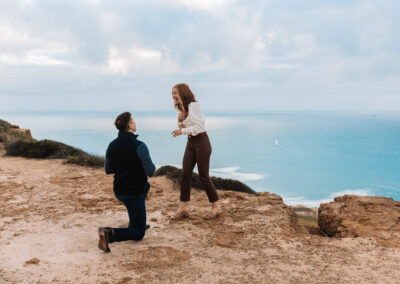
(186, 95)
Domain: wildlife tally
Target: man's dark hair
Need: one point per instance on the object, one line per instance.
(122, 121)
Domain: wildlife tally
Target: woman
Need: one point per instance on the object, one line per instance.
(198, 149)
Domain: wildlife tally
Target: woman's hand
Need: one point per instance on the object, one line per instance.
(177, 132)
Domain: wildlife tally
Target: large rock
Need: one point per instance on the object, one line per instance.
(362, 216)
(26, 132)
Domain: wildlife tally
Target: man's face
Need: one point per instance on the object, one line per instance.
(132, 125)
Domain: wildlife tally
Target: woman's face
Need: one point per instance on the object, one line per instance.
(175, 96)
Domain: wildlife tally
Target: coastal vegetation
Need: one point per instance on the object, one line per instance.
(19, 143)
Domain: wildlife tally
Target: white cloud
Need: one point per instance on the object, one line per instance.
(116, 62)
(202, 62)
(141, 60)
(10, 35)
(315, 55)
(146, 54)
(109, 21)
(18, 39)
(138, 60)
(19, 47)
(259, 44)
(206, 5)
(40, 60)
(25, 3)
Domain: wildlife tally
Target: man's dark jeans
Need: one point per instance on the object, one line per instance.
(136, 206)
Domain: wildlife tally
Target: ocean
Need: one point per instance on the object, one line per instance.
(305, 157)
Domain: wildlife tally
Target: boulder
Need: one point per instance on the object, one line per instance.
(6, 127)
(25, 132)
(362, 216)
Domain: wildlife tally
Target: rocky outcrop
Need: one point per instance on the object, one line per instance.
(26, 132)
(362, 216)
(10, 133)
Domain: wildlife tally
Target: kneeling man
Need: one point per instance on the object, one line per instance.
(129, 160)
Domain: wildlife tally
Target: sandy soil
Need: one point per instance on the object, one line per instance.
(50, 212)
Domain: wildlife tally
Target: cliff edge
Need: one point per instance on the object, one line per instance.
(50, 212)
(362, 216)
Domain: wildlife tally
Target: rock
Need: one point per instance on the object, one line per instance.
(126, 279)
(16, 128)
(32, 261)
(26, 132)
(362, 216)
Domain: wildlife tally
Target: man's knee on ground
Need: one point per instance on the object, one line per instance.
(140, 235)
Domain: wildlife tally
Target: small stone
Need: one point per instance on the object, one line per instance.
(32, 261)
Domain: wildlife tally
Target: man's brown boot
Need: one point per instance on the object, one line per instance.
(105, 235)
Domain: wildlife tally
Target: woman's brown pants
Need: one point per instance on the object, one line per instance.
(198, 150)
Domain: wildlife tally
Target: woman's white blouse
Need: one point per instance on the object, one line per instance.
(194, 123)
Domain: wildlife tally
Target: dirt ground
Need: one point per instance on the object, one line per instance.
(50, 212)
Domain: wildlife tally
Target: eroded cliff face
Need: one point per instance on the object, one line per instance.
(362, 216)
(26, 132)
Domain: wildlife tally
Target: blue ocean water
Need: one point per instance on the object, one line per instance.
(306, 157)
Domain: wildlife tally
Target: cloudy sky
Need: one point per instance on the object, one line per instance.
(236, 55)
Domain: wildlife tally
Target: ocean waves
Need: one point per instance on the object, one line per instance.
(301, 200)
(234, 173)
(230, 173)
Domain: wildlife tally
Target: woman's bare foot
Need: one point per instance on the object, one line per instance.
(215, 211)
(181, 213)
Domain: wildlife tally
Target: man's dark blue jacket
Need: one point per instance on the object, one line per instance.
(129, 160)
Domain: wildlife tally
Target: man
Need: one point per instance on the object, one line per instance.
(129, 160)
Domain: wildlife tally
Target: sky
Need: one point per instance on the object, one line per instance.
(250, 55)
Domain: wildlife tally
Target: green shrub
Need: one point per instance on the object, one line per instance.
(48, 149)
(19, 144)
(11, 136)
(73, 160)
(86, 160)
(4, 126)
(310, 221)
(40, 149)
(175, 175)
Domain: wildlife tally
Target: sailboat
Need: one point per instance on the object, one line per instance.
(276, 142)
